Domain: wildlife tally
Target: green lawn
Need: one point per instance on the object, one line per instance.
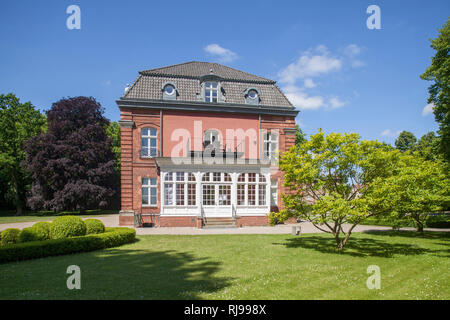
(9, 216)
(243, 267)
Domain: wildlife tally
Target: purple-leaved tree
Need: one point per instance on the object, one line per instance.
(72, 165)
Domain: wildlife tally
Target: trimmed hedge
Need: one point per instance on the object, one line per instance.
(112, 237)
(67, 226)
(10, 236)
(94, 226)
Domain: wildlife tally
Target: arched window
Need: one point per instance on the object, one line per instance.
(211, 137)
(149, 145)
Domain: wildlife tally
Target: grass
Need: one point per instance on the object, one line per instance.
(9, 216)
(243, 267)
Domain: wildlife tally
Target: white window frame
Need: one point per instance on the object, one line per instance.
(270, 145)
(209, 87)
(257, 183)
(149, 183)
(273, 193)
(178, 179)
(149, 137)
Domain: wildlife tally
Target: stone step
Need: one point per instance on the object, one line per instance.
(220, 223)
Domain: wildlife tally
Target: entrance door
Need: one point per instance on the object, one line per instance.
(216, 200)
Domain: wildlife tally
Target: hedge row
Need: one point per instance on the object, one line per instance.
(112, 237)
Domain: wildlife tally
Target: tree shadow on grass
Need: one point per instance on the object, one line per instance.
(361, 247)
(142, 274)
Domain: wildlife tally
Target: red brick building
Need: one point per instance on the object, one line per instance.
(200, 143)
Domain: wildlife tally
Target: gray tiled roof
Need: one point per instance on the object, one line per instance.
(187, 77)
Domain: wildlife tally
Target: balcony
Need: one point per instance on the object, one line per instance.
(216, 149)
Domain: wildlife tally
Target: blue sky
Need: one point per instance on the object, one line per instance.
(341, 75)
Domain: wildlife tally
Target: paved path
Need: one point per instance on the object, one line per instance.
(113, 221)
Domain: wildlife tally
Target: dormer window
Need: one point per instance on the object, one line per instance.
(251, 96)
(169, 91)
(211, 91)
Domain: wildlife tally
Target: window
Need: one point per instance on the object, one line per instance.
(169, 89)
(274, 193)
(149, 192)
(270, 146)
(180, 189)
(252, 96)
(211, 137)
(224, 195)
(209, 194)
(149, 147)
(211, 91)
(251, 189)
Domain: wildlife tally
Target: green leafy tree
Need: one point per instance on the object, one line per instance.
(329, 179)
(428, 147)
(18, 123)
(416, 189)
(439, 91)
(406, 141)
(113, 131)
(300, 136)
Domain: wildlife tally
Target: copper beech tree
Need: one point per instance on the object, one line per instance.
(330, 178)
(72, 165)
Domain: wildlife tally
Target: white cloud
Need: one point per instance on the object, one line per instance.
(314, 63)
(223, 55)
(310, 65)
(352, 51)
(428, 109)
(309, 83)
(335, 103)
(389, 133)
(301, 100)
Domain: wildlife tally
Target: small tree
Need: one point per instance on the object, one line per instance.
(416, 189)
(18, 122)
(72, 165)
(330, 179)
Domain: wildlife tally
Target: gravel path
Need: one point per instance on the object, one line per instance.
(113, 221)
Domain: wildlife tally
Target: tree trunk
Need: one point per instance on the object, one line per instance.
(419, 226)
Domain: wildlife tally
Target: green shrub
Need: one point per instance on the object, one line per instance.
(10, 236)
(67, 226)
(112, 237)
(34, 233)
(438, 221)
(94, 226)
(44, 226)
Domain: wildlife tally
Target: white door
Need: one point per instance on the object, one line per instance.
(216, 200)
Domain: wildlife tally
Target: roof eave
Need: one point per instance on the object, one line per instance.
(204, 106)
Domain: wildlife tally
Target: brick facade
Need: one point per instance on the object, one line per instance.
(150, 111)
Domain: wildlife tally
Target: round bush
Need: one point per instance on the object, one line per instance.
(67, 226)
(10, 236)
(34, 234)
(94, 226)
(44, 229)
